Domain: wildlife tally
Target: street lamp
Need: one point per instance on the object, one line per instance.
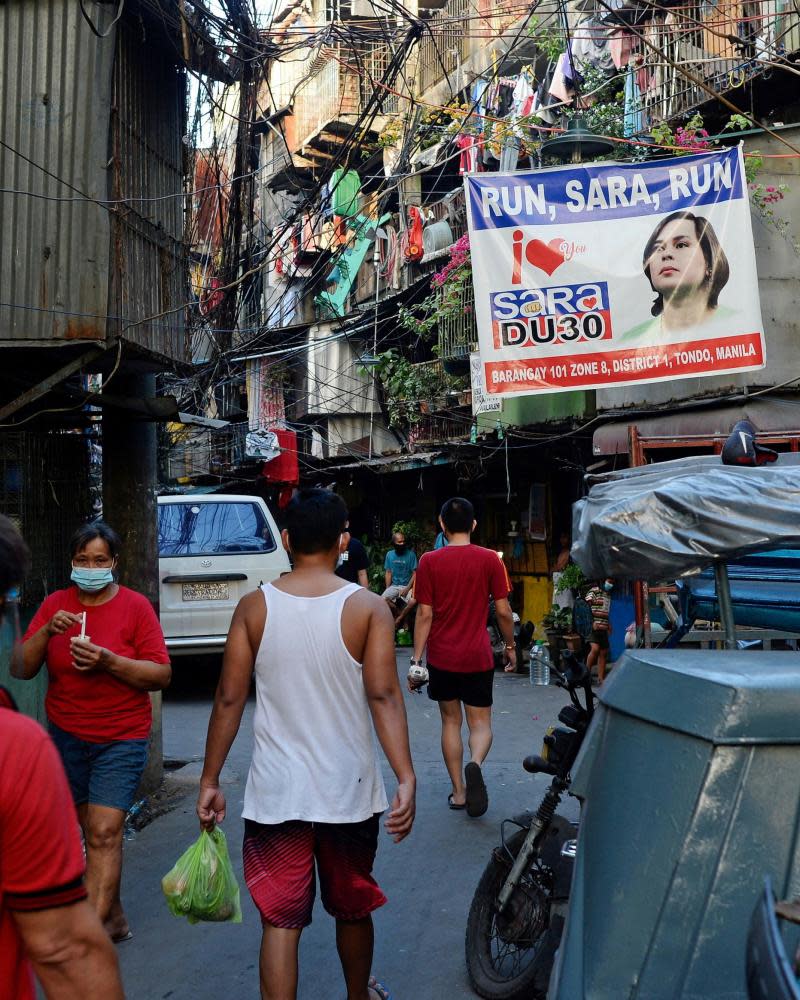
(575, 144)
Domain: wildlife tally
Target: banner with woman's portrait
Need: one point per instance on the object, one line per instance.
(592, 276)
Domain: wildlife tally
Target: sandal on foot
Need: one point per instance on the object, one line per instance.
(119, 938)
(477, 796)
(375, 986)
(455, 805)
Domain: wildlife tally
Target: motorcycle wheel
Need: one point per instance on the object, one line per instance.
(509, 956)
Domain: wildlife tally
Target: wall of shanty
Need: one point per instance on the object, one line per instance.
(92, 164)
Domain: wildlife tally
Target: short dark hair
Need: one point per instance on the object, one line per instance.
(314, 519)
(14, 556)
(457, 514)
(88, 532)
(717, 267)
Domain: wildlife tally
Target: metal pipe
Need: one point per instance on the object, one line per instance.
(725, 604)
(376, 263)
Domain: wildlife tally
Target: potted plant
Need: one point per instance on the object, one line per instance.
(571, 578)
(555, 623)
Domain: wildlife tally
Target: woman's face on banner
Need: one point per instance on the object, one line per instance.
(677, 261)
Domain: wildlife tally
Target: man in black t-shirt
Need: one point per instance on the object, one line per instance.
(353, 563)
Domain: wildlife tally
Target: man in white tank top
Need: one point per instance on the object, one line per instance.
(322, 651)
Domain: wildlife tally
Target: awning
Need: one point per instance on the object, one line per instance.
(780, 417)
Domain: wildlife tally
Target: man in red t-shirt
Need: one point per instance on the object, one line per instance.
(453, 588)
(46, 922)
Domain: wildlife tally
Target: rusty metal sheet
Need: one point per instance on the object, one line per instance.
(55, 87)
(149, 284)
(84, 118)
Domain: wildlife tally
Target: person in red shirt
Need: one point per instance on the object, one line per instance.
(453, 588)
(46, 922)
(104, 651)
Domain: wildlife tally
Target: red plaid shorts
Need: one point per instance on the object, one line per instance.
(279, 869)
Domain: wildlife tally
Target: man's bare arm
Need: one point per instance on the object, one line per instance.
(233, 690)
(71, 953)
(389, 716)
(387, 578)
(363, 579)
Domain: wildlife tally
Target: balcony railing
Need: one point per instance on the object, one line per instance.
(458, 334)
(340, 83)
(717, 48)
(320, 100)
(447, 44)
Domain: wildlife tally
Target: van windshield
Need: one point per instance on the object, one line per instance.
(204, 529)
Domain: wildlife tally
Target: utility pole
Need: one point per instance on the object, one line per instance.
(240, 203)
(130, 507)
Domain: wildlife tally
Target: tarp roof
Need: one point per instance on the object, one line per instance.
(672, 519)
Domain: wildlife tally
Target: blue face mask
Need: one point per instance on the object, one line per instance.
(608, 586)
(91, 580)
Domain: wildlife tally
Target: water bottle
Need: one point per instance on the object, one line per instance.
(540, 664)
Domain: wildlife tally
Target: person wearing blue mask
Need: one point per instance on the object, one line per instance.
(48, 930)
(104, 651)
(599, 600)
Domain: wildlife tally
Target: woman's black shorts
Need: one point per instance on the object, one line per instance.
(473, 689)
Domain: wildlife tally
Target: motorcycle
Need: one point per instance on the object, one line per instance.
(517, 914)
(523, 634)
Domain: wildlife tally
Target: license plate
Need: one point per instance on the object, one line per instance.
(217, 591)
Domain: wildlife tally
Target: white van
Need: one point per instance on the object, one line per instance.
(213, 549)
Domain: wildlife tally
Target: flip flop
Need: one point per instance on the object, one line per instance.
(477, 796)
(375, 986)
(122, 937)
(455, 805)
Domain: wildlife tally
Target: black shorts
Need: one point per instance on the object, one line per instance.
(473, 689)
(599, 637)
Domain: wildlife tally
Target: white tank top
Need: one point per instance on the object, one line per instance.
(314, 752)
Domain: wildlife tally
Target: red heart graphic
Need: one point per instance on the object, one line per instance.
(546, 256)
(590, 303)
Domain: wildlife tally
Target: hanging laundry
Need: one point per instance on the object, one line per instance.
(559, 88)
(620, 45)
(468, 161)
(633, 120)
(262, 444)
(505, 98)
(345, 188)
(478, 97)
(325, 206)
(285, 468)
(523, 96)
(590, 47)
(509, 153)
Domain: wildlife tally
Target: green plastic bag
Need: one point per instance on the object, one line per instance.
(202, 885)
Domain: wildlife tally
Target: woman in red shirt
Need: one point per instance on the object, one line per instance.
(104, 651)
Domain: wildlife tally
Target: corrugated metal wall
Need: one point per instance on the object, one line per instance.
(66, 262)
(55, 85)
(148, 262)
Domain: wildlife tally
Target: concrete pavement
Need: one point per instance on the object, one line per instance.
(429, 878)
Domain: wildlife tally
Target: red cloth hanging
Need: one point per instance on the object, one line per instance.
(285, 468)
(414, 249)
